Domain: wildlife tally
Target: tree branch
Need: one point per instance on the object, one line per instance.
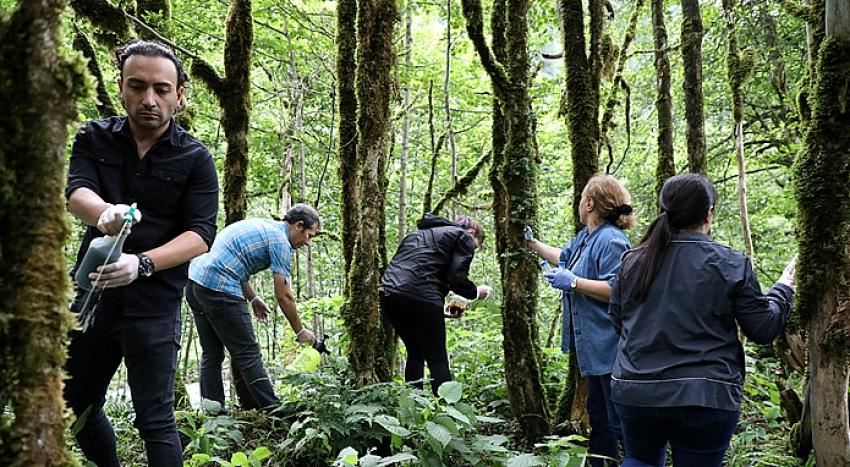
(462, 185)
(475, 28)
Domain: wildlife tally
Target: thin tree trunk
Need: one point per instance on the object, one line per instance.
(823, 277)
(692, 57)
(105, 106)
(405, 126)
(446, 102)
(498, 140)
(737, 73)
(38, 93)
(666, 166)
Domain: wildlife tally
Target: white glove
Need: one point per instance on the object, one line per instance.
(117, 274)
(112, 218)
(484, 291)
(788, 276)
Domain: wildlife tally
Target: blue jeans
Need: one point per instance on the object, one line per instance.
(148, 346)
(698, 436)
(223, 322)
(605, 430)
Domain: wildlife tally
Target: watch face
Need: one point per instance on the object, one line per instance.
(145, 266)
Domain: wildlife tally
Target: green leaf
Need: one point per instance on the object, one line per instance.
(400, 457)
(261, 453)
(524, 460)
(347, 456)
(240, 459)
(392, 425)
(439, 433)
(450, 391)
(454, 413)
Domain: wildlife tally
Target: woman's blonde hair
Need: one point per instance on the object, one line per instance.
(612, 200)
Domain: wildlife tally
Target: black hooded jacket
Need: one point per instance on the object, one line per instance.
(430, 261)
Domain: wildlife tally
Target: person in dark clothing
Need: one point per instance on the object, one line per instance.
(148, 159)
(679, 371)
(431, 261)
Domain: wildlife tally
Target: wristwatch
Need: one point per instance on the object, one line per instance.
(574, 283)
(146, 266)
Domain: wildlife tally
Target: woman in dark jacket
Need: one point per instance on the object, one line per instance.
(430, 261)
(679, 371)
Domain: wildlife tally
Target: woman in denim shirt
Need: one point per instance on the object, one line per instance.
(586, 265)
(677, 304)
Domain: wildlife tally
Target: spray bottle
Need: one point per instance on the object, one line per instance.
(308, 360)
(103, 251)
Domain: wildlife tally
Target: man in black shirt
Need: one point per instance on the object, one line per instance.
(148, 159)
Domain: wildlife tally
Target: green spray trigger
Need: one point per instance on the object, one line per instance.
(130, 215)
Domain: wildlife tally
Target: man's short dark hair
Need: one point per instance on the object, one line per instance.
(149, 49)
(305, 213)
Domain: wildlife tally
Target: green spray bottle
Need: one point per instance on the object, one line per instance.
(309, 359)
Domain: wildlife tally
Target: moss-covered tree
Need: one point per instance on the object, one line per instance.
(665, 167)
(371, 349)
(517, 174)
(39, 90)
(233, 93)
(823, 193)
(692, 33)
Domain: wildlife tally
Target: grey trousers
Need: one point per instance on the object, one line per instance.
(224, 322)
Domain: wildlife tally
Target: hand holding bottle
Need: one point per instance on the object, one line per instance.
(112, 219)
(484, 291)
(117, 274)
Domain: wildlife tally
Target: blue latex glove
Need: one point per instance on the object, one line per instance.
(560, 278)
(527, 234)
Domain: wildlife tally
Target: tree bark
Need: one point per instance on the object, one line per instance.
(518, 175)
(824, 200)
(692, 33)
(346, 40)
(447, 79)
(405, 126)
(666, 166)
(39, 93)
(738, 71)
(375, 54)
(105, 105)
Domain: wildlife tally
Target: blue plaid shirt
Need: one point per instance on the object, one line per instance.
(241, 250)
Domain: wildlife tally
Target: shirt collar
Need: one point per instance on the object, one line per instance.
(690, 235)
(172, 134)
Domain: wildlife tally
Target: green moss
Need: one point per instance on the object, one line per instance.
(822, 191)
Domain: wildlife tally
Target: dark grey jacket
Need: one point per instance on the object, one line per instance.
(430, 261)
(680, 347)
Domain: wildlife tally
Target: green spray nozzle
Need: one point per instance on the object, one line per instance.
(130, 214)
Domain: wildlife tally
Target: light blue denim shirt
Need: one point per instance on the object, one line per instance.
(241, 250)
(594, 256)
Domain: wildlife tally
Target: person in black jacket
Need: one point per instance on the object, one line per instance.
(679, 371)
(430, 261)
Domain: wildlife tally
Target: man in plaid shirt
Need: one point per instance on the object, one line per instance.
(218, 289)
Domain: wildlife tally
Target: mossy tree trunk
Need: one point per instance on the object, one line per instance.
(692, 33)
(823, 193)
(39, 93)
(583, 66)
(738, 68)
(666, 166)
(233, 94)
(517, 173)
(346, 40)
(498, 139)
(370, 338)
(105, 106)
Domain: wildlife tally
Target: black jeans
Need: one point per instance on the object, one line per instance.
(422, 328)
(605, 427)
(223, 322)
(149, 347)
(698, 436)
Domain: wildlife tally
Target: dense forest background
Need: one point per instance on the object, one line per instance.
(279, 60)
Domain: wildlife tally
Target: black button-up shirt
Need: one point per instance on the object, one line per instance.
(175, 187)
(679, 347)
